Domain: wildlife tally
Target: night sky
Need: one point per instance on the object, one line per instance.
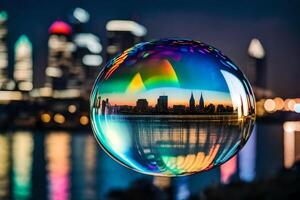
(227, 26)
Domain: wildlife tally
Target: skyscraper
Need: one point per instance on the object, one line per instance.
(192, 103)
(104, 107)
(162, 104)
(59, 56)
(141, 105)
(4, 79)
(23, 72)
(201, 102)
(123, 34)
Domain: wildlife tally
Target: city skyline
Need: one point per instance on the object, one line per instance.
(177, 96)
(104, 106)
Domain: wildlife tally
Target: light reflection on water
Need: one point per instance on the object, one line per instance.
(75, 166)
(4, 166)
(22, 148)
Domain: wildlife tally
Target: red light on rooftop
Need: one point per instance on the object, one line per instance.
(60, 27)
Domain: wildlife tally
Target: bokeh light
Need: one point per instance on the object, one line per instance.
(172, 107)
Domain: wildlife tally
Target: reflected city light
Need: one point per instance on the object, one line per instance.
(46, 118)
(247, 158)
(279, 103)
(228, 169)
(84, 120)
(297, 107)
(289, 143)
(81, 15)
(172, 107)
(22, 148)
(59, 118)
(4, 166)
(270, 105)
(58, 165)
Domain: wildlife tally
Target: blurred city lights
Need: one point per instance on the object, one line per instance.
(59, 118)
(256, 49)
(88, 40)
(10, 96)
(22, 149)
(46, 118)
(72, 108)
(279, 103)
(81, 15)
(126, 25)
(92, 60)
(228, 169)
(297, 108)
(270, 105)
(291, 104)
(84, 120)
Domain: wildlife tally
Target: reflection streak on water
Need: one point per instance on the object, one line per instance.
(185, 143)
(22, 149)
(4, 166)
(58, 155)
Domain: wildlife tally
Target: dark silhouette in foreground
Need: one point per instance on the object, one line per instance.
(285, 185)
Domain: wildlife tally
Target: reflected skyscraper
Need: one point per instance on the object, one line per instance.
(23, 72)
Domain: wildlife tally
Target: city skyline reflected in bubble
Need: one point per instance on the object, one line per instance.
(172, 107)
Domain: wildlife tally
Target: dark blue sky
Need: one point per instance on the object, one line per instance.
(227, 26)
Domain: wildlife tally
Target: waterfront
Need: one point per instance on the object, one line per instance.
(50, 165)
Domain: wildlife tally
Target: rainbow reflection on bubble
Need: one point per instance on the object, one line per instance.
(172, 107)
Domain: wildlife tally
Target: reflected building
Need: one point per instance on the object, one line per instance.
(104, 106)
(23, 71)
(121, 35)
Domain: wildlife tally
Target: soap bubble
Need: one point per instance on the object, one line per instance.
(172, 107)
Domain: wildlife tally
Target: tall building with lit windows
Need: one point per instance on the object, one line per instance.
(123, 34)
(60, 48)
(3, 51)
(23, 72)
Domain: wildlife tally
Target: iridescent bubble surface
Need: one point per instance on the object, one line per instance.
(172, 107)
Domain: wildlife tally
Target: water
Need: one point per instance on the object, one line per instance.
(172, 144)
(70, 165)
